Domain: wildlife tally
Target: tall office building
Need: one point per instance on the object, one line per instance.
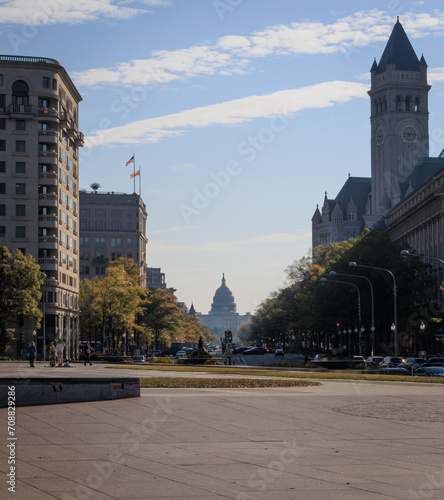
(112, 225)
(39, 168)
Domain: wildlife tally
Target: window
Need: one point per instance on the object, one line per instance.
(20, 146)
(70, 222)
(2, 145)
(100, 242)
(84, 242)
(1, 79)
(129, 242)
(63, 215)
(46, 82)
(2, 209)
(63, 156)
(20, 125)
(20, 188)
(20, 232)
(20, 210)
(63, 238)
(70, 242)
(44, 103)
(116, 213)
(54, 84)
(2, 231)
(84, 224)
(2, 166)
(116, 242)
(63, 258)
(398, 103)
(100, 213)
(20, 167)
(117, 225)
(20, 93)
(63, 197)
(70, 183)
(2, 123)
(44, 126)
(100, 225)
(63, 176)
(129, 226)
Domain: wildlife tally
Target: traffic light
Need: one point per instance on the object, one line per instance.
(229, 336)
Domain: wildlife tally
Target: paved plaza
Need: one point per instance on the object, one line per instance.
(340, 440)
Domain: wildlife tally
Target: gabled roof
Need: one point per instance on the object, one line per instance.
(399, 50)
(357, 189)
(423, 170)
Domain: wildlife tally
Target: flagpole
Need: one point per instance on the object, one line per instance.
(134, 172)
(140, 187)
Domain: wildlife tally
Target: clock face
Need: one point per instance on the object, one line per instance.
(379, 136)
(409, 134)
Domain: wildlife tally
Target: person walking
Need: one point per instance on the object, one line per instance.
(87, 351)
(52, 354)
(59, 352)
(32, 352)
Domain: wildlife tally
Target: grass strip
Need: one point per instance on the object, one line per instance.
(287, 374)
(220, 383)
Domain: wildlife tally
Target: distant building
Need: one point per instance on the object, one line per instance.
(155, 278)
(112, 225)
(39, 169)
(403, 196)
(223, 315)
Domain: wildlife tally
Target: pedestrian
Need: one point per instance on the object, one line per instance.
(87, 351)
(32, 351)
(59, 352)
(52, 354)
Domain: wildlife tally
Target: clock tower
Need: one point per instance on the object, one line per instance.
(399, 120)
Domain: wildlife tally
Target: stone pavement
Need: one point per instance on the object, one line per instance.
(342, 440)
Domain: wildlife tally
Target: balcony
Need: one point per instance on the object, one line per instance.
(49, 156)
(48, 112)
(49, 221)
(48, 136)
(48, 179)
(48, 242)
(21, 110)
(79, 141)
(48, 263)
(48, 200)
(71, 131)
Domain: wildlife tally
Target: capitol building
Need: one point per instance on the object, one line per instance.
(223, 315)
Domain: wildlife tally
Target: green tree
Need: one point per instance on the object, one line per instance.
(21, 279)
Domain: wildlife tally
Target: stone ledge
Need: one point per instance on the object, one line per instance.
(52, 390)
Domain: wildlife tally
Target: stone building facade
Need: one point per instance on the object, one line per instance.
(39, 190)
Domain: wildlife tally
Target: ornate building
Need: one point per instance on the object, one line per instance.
(394, 198)
(39, 188)
(223, 315)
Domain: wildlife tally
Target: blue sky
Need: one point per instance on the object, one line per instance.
(241, 113)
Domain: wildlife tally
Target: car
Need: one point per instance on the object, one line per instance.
(435, 361)
(240, 350)
(279, 352)
(395, 370)
(168, 352)
(359, 360)
(390, 360)
(429, 371)
(181, 353)
(255, 350)
(413, 363)
(374, 361)
(139, 359)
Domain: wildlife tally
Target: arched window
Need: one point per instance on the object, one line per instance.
(417, 103)
(398, 103)
(20, 92)
(384, 103)
(408, 103)
(376, 106)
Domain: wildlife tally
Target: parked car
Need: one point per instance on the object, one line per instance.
(359, 360)
(139, 359)
(181, 353)
(413, 363)
(374, 361)
(429, 371)
(255, 350)
(279, 352)
(168, 352)
(395, 370)
(390, 360)
(436, 361)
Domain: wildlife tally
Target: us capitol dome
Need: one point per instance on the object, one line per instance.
(223, 315)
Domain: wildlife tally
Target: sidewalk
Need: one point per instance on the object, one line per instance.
(342, 440)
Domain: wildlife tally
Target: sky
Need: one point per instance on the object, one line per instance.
(241, 115)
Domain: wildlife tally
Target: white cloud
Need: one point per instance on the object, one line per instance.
(436, 75)
(38, 13)
(235, 54)
(285, 102)
(174, 229)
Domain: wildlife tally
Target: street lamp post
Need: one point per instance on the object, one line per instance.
(333, 273)
(359, 302)
(395, 314)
